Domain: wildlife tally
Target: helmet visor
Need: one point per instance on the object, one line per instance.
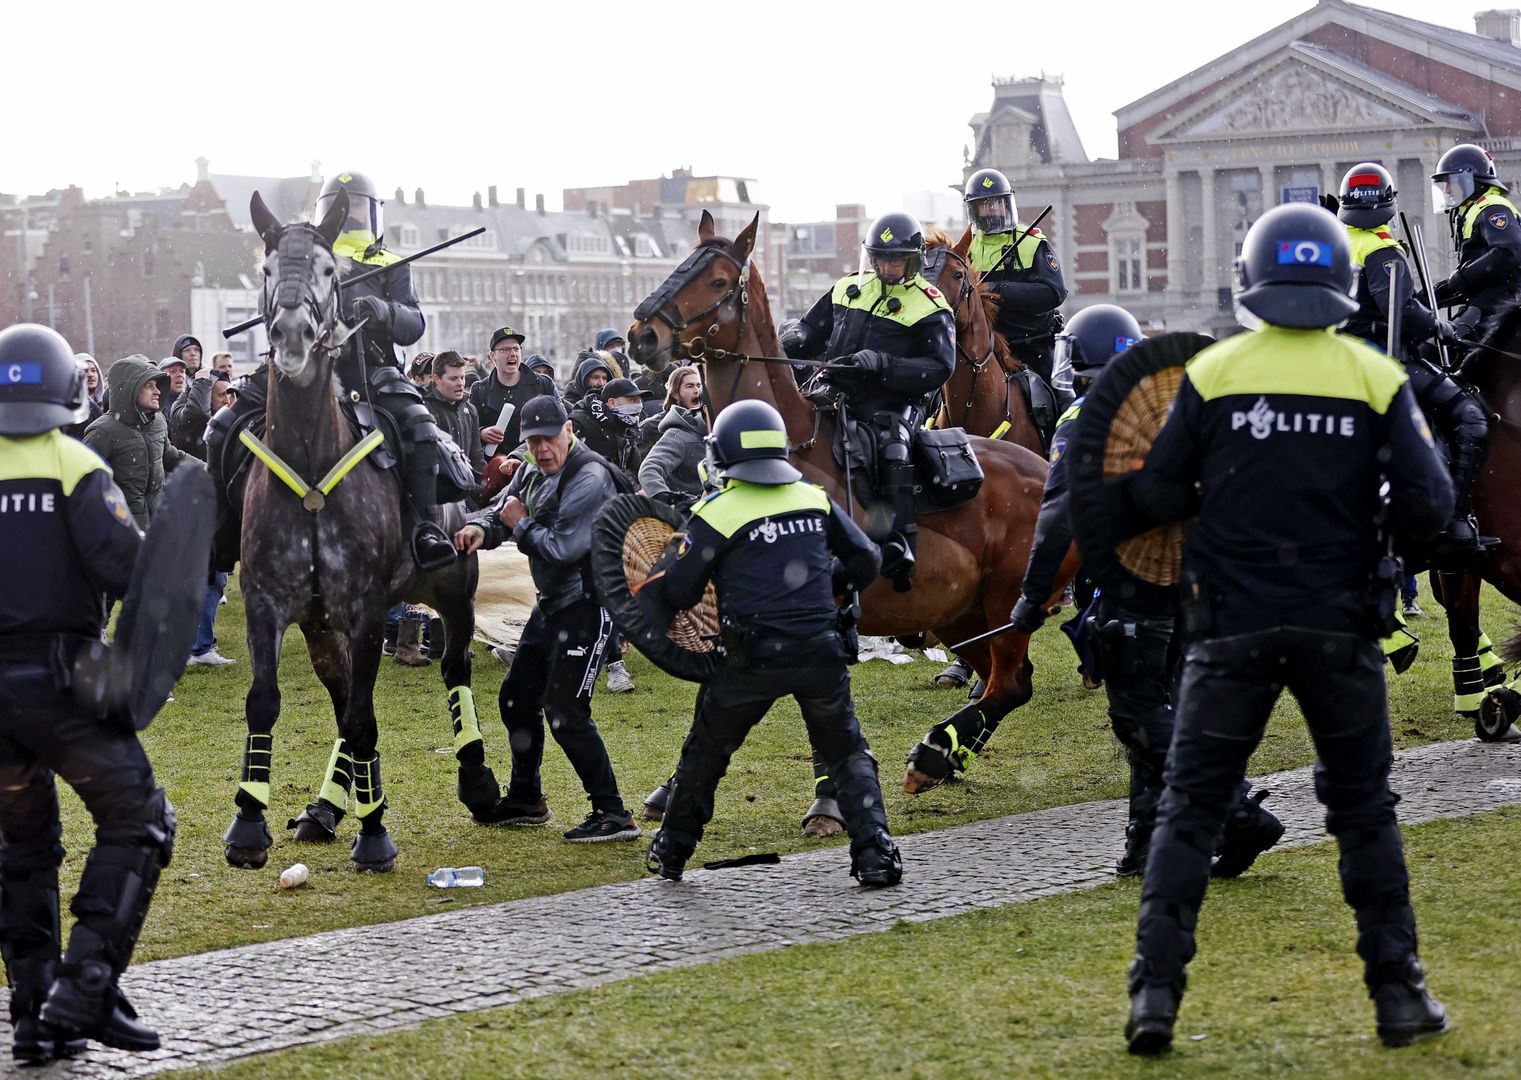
(1451, 190)
(995, 215)
(1061, 363)
(364, 214)
(894, 267)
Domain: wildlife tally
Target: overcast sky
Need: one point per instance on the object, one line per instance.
(820, 103)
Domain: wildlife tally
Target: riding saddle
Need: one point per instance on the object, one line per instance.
(946, 470)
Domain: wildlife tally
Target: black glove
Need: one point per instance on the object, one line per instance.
(1447, 290)
(1330, 202)
(795, 343)
(869, 360)
(1027, 616)
(1447, 331)
(378, 310)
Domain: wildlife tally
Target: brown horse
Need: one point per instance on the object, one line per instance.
(981, 397)
(331, 563)
(1475, 668)
(971, 558)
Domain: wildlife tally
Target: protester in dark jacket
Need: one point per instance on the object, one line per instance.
(192, 409)
(670, 467)
(95, 397)
(133, 437)
(506, 382)
(451, 409)
(188, 348)
(608, 422)
(593, 371)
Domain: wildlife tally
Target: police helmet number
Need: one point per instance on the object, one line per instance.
(21, 374)
(1304, 253)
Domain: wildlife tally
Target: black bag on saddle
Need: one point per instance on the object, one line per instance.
(949, 473)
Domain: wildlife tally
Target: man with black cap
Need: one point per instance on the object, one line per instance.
(777, 550)
(548, 508)
(499, 398)
(187, 347)
(607, 420)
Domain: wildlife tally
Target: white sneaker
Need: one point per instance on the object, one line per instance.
(211, 658)
(619, 681)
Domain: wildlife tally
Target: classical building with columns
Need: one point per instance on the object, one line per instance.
(1279, 119)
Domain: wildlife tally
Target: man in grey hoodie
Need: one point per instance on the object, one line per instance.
(548, 508)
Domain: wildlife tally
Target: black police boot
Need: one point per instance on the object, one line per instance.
(1137, 847)
(667, 857)
(431, 547)
(85, 1001)
(1153, 1012)
(1403, 1009)
(32, 1041)
(898, 550)
(1249, 831)
(874, 859)
(1461, 541)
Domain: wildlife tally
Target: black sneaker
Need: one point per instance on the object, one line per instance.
(507, 812)
(600, 827)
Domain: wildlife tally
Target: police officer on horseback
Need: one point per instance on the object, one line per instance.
(897, 335)
(69, 542)
(368, 366)
(1485, 232)
(1366, 205)
(777, 550)
(1280, 441)
(1018, 264)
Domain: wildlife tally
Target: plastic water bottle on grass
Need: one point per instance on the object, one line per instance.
(457, 877)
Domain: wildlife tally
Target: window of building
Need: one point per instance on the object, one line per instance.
(410, 236)
(1130, 264)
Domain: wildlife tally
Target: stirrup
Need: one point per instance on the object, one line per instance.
(427, 535)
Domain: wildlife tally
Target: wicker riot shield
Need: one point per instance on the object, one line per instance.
(629, 537)
(1122, 413)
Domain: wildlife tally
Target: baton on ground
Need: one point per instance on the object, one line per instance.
(233, 331)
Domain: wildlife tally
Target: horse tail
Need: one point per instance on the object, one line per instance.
(1510, 648)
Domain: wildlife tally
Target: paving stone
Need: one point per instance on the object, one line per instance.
(230, 1004)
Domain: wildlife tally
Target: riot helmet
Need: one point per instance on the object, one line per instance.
(1092, 338)
(892, 237)
(42, 382)
(749, 442)
(1295, 270)
(989, 199)
(1367, 195)
(365, 206)
(1462, 173)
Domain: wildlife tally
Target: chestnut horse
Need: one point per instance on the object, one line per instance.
(980, 397)
(971, 558)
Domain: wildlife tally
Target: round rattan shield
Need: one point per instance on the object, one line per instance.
(629, 537)
(1122, 413)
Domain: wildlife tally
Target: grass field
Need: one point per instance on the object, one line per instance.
(1056, 750)
(1031, 990)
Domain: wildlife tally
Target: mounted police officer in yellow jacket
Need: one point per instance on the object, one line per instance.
(389, 307)
(898, 335)
(1485, 232)
(777, 550)
(1018, 264)
(1366, 205)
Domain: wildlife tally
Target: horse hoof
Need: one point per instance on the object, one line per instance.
(652, 813)
(247, 858)
(373, 853)
(928, 767)
(822, 828)
(917, 783)
(655, 803)
(248, 842)
(318, 823)
(1497, 712)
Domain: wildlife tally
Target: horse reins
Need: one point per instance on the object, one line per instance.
(965, 293)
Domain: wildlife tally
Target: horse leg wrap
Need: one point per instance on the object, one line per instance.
(1467, 685)
(1492, 667)
(339, 776)
(253, 787)
(468, 744)
(369, 796)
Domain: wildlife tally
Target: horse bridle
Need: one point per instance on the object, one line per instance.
(297, 243)
(965, 293)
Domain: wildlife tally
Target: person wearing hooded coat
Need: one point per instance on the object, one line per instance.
(670, 469)
(95, 397)
(587, 363)
(134, 439)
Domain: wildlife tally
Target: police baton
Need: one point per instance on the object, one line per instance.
(1014, 247)
(1004, 629)
(1396, 314)
(1428, 292)
(233, 331)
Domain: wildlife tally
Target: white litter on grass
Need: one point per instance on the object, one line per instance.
(939, 656)
(883, 648)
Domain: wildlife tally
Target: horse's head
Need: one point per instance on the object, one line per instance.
(299, 300)
(974, 306)
(701, 304)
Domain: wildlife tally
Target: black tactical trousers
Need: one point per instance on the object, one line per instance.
(43, 734)
(554, 673)
(1228, 690)
(733, 702)
(1138, 664)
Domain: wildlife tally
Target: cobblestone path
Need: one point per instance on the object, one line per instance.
(399, 974)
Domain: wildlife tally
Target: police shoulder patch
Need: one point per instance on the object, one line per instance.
(1499, 220)
(1058, 446)
(1051, 260)
(116, 502)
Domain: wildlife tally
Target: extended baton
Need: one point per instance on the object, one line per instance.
(233, 331)
(1428, 291)
(1020, 239)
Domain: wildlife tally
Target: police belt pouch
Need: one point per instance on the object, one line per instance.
(949, 473)
(631, 537)
(129, 680)
(746, 648)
